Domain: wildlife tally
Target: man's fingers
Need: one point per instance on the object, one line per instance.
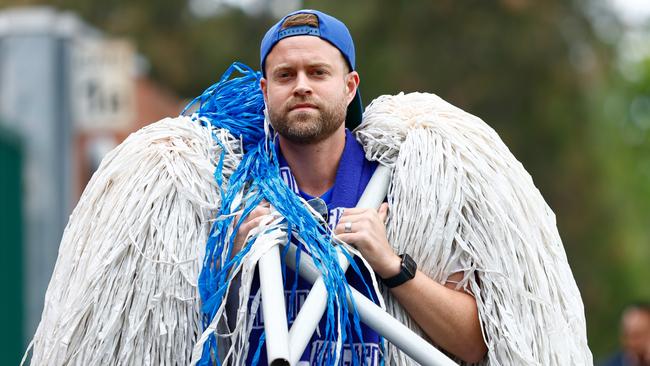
(257, 212)
(356, 216)
(260, 210)
(354, 225)
(248, 225)
(264, 210)
(354, 211)
(383, 212)
(360, 215)
(350, 238)
(252, 221)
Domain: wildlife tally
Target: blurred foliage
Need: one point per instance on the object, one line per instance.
(534, 70)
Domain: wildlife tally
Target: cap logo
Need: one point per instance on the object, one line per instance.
(303, 29)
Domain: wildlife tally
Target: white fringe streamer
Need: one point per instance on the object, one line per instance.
(233, 321)
(123, 291)
(458, 196)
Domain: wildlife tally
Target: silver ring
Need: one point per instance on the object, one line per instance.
(347, 227)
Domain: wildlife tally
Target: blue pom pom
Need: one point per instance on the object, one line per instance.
(236, 104)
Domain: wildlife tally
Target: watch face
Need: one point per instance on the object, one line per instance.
(409, 265)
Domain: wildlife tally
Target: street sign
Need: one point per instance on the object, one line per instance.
(102, 84)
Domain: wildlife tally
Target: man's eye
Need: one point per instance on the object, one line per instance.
(319, 72)
(283, 75)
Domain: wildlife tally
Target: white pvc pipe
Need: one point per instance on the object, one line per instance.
(307, 321)
(376, 318)
(273, 307)
(309, 316)
(377, 188)
(398, 334)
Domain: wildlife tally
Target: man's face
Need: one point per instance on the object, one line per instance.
(636, 334)
(307, 89)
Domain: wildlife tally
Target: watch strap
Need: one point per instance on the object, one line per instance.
(408, 267)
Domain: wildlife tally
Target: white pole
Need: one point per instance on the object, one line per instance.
(399, 334)
(307, 320)
(273, 307)
(377, 188)
(309, 316)
(372, 315)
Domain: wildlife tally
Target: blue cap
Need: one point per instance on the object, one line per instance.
(329, 29)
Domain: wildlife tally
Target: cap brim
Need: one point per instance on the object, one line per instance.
(354, 113)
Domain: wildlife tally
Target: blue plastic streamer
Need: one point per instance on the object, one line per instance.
(237, 105)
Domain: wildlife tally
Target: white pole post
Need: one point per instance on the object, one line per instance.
(375, 317)
(273, 307)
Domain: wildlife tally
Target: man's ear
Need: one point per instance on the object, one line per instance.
(351, 84)
(263, 86)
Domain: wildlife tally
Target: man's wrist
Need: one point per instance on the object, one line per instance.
(408, 269)
(393, 267)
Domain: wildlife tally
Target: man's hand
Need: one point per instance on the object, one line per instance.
(366, 230)
(252, 221)
(441, 311)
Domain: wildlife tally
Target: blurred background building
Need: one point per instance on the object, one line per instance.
(68, 95)
(565, 83)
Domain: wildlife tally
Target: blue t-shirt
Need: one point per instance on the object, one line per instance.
(352, 176)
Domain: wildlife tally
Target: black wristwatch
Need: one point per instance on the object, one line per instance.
(406, 273)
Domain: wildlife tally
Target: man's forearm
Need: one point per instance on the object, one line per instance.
(449, 317)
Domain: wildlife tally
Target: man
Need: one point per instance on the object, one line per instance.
(635, 337)
(310, 87)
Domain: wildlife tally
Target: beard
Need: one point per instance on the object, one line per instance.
(309, 126)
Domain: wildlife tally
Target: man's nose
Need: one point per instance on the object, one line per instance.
(303, 87)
